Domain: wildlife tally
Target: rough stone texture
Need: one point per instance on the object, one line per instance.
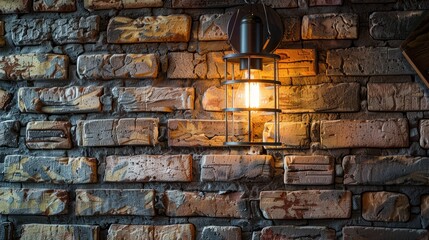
(296, 62)
(54, 6)
(48, 135)
(296, 233)
(292, 29)
(381, 133)
(305, 204)
(6, 231)
(9, 133)
(184, 65)
(34, 67)
(397, 97)
(330, 26)
(313, 3)
(61, 31)
(221, 233)
(385, 206)
(112, 66)
(69, 170)
(64, 232)
(136, 202)
(228, 3)
(171, 28)
(33, 201)
(150, 232)
(92, 5)
(117, 132)
(214, 99)
(253, 168)
(424, 206)
(2, 37)
(367, 61)
(309, 170)
(199, 133)
(424, 133)
(152, 99)
(60, 99)
(186, 204)
(393, 25)
(4, 98)
(326, 97)
(292, 134)
(385, 170)
(368, 233)
(148, 168)
(17, 6)
(213, 27)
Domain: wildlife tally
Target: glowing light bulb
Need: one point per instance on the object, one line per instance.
(252, 90)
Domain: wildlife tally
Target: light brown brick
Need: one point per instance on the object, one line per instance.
(117, 132)
(305, 204)
(150, 232)
(330, 26)
(17, 6)
(186, 204)
(135, 202)
(309, 170)
(297, 232)
(378, 133)
(4, 98)
(23, 201)
(385, 206)
(117, 66)
(54, 231)
(92, 5)
(54, 6)
(292, 134)
(296, 62)
(186, 65)
(213, 27)
(171, 28)
(148, 168)
(48, 135)
(153, 99)
(237, 168)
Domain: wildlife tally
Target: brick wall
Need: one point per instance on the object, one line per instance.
(111, 124)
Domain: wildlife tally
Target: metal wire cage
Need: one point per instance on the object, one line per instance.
(249, 97)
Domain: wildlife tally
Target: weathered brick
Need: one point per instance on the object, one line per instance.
(2, 38)
(297, 232)
(393, 25)
(296, 62)
(184, 204)
(377, 133)
(305, 204)
(424, 206)
(326, 97)
(120, 4)
(70, 170)
(292, 29)
(214, 99)
(213, 27)
(309, 170)
(330, 26)
(385, 170)
(208, 133)
(171, 28)
(385, 206)
(368, 233)
(60, 99)
(150, 232)
(54, 6)
(292, 134)
(216, 65)
(185, 65)
(117, 132)
(31, 31)
(220, 233)
(113, 66)
(424, 133)
(229, 3)
(313, 3)
(136, 202)
(48, 135)
(373, 1)
(6, 231)
(34, 67)
(148, 168)
(153, 99)
(33, 201)
(4, 98)
(53, 231)
(9, 133)
(237, 167)
(397, 97)
(367, 61)
(17, 6)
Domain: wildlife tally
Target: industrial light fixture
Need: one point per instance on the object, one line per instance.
(251, 76)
